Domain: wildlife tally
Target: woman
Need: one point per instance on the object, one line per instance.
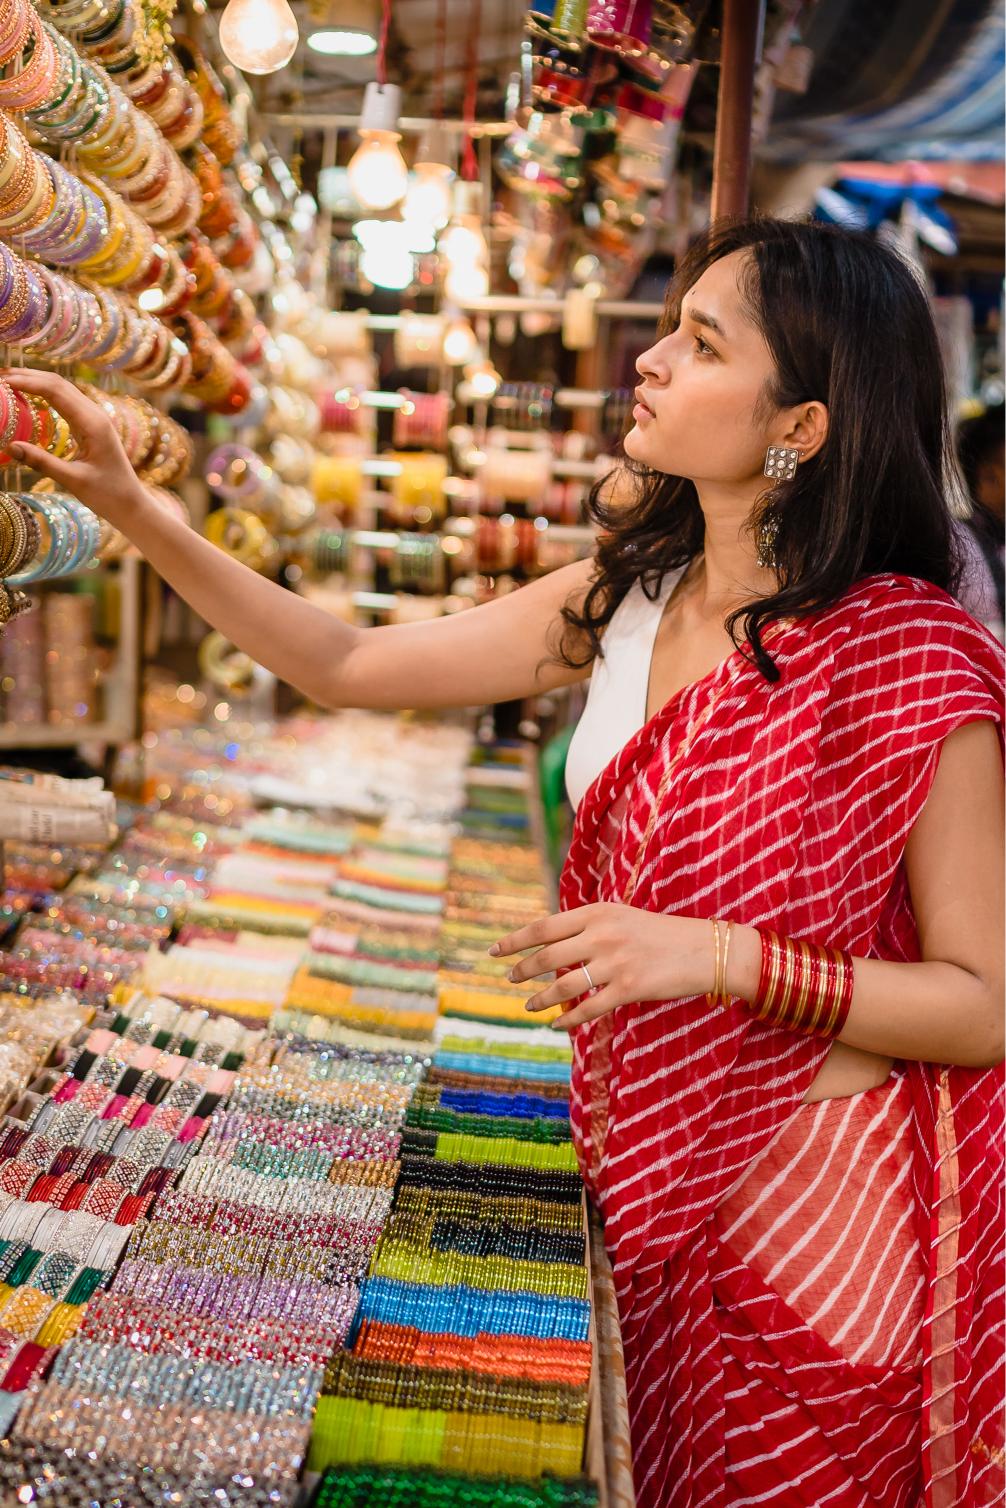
(795, 1147)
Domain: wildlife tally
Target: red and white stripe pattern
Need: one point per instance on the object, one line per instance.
(789, 806)
(825, 1215)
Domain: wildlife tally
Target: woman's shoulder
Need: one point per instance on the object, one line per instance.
(890, 632)
(904, 610)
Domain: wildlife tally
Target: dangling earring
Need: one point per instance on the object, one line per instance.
(765, 537)
(781, 463)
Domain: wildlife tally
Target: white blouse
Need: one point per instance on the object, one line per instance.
(616, 697)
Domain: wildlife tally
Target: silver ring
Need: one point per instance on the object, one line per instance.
(593, 986)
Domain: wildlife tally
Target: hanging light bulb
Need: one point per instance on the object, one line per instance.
(428, 200)
(259, 36)
(463, 247)
(377, 173)
(483, 379)
(466, 281)
(460, 344)
(387, 252)
(429, 197)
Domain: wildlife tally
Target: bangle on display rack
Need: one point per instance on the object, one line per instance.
(512, 476)
(421, 420)
(20, 534)
(242, 535)
(418, 489)
(417, 561)
(238, 474)
(13, 603)
(225, 666)
(69, 536)
(524, 405)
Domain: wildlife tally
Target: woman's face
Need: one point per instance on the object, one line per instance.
(697, 414)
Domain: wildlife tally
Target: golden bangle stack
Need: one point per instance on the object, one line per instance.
(721, 945)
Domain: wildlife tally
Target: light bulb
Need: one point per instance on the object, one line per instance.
(342, 44)
(460, 344)
(378, 176)
(259, 36)
(387, 267)
(483, 379)
(428, 200)
(463, 243)
(387, 258)
(465, 282)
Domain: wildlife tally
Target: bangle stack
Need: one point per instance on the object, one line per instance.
(803, 987)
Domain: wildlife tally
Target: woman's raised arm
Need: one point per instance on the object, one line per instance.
(487, 654)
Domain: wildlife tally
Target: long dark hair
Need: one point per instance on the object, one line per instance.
(848, 323)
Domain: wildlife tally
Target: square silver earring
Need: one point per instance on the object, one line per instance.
(781, 463)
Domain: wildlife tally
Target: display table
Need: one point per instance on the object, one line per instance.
(296, 1210)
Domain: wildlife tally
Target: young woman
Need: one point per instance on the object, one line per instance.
(780, 942)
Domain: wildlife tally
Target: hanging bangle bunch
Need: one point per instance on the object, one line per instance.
(68, 536)
(68, 98)
(217, 378)
(220, 133)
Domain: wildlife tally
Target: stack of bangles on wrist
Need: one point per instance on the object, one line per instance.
(802, 987)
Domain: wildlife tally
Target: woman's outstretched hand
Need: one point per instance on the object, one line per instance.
(625, 953)
(100, 473)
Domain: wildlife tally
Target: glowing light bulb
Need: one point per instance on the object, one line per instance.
(259, 36)
(463, 243)
(483, 379)
(428, 200)
(387, 255)
(387, 267)
(378, 176)
(377, 173)
(466, 281)
(460, 344)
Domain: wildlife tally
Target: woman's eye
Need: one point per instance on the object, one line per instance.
(702, 348)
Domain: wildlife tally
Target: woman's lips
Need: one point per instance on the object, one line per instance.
(641, 413)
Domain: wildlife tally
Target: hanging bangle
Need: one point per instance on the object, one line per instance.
(803, 987)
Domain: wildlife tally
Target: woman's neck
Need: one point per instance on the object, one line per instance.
(728, 573)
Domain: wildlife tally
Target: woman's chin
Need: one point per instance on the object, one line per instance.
(639, 447)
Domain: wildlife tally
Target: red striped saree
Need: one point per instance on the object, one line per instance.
(789, 806)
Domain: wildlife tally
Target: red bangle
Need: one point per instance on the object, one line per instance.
(803, 987)
(23, 1367)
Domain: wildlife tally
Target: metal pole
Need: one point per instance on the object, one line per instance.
(743, 24)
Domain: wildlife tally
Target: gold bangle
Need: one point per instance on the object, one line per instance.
(712, 996)
(723, 996)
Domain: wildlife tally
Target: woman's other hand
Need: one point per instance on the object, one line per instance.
(100, 473)
(625, 953)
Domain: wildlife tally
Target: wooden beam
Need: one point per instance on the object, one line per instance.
(743, 24)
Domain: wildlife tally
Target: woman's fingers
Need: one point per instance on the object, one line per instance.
(40, 460)
(567, 988)
(81, 413)
(597, 1005)
(549, 929)
(547, 960)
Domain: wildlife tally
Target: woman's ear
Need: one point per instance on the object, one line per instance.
(807, 429)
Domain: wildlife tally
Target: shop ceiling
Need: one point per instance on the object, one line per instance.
(903, 78)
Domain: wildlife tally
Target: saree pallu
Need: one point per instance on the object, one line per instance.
(788, 806)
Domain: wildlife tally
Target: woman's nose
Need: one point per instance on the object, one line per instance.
(655, 362)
